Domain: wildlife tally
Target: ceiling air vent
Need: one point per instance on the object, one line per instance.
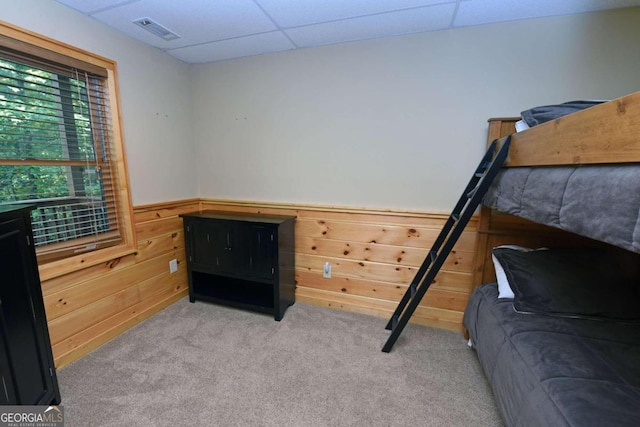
(156, 29)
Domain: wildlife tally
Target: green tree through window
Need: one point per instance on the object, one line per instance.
(49, 153)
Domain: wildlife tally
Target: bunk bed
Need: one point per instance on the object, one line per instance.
(556, 321)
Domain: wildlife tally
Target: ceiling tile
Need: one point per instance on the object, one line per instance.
(475, 12)
(374, 26)
(196, 21)
(289, 13)
(89, 6)
(250, 25)
(234, 48)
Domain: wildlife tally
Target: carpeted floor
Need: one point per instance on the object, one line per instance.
(206, 365)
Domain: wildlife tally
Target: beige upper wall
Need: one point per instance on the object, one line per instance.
(390, 123)
(398, 122)
(155, 97)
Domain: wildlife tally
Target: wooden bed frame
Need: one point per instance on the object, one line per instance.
(606, 133)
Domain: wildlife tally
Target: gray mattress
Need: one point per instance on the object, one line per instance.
(551, 371)
(600, 202)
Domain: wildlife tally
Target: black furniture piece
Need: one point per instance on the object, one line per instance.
(240, 259)
(26, 359)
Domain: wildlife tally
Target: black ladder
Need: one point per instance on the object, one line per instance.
(466, 206)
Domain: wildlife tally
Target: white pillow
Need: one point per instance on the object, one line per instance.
(521, 125)
(504, 289)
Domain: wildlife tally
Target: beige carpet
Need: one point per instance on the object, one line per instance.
(206, 365)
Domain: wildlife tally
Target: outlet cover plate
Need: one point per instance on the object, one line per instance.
(326, 271)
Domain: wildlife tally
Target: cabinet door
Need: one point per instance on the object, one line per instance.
(263, 249)
(240, 237)
(21, 326)
(210, 245)
(7, 388)
(201, 249)
(224, 247)
(253, 250)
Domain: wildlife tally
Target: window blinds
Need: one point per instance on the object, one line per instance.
(55, 151)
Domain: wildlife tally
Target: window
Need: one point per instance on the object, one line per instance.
(60, 149)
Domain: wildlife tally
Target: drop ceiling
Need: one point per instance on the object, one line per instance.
(215, 30)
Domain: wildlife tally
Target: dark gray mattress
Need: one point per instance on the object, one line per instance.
(600, 202)
(552, 371)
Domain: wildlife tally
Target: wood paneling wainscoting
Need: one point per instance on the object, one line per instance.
(374, 255)
(90, 306)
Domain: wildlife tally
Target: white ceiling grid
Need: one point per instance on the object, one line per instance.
(214, 30)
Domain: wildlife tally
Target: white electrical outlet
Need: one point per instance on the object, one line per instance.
(173, 266)
(326, 271)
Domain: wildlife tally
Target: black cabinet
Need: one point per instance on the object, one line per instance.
(26, 360)
(240, 259)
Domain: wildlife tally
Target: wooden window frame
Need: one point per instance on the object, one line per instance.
(38, 45)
